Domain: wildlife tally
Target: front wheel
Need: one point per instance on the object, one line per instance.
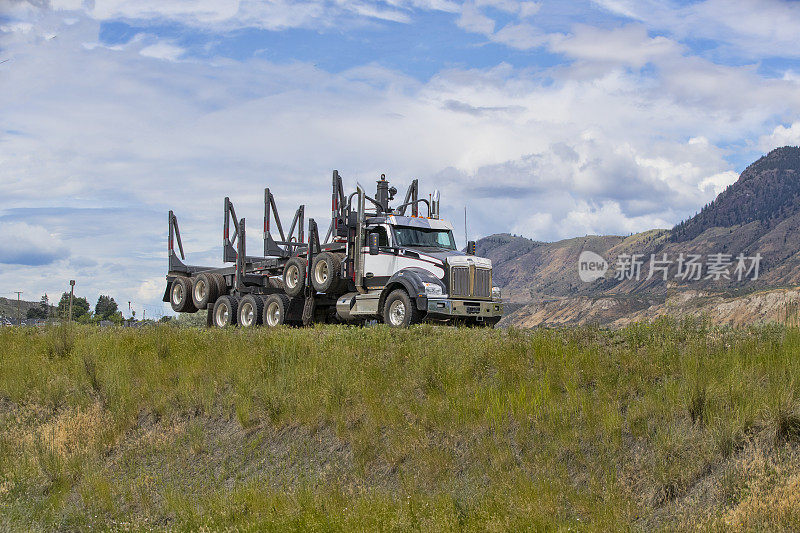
(399, 310)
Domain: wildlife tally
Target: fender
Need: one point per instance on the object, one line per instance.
(411, 279)
(166, 291)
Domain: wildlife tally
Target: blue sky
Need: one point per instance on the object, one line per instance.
(547, 119)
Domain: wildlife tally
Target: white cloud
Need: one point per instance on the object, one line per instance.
(66, 5)
(271, 14)
(162, 50)
(781, 136)
(628, 45)
(508, 6)
(520, 35)
(523, 36)
(718, 182)
(196, 11)
(30, 245)
(751, 28)
(585, 218)
(19, 27)
(625, 8)
(365, 9)
(529, 9)
(473, 20)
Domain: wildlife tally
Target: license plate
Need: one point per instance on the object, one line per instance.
(473, 310)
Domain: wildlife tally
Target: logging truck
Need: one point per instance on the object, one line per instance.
(397, 265)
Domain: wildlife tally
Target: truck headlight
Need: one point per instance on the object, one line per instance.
(496, 293)
(432, 289)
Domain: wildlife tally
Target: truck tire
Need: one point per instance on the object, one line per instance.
(204, 291)
(222, 286)
(225, 311)
(326, 272)
(276, 310)
(250, 311)
(399, 310)
(294, 276)
(180, 295)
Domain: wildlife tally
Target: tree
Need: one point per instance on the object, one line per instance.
(106, 308)
(44, 305)
(40, 312)
(80, 306)
(36, 312)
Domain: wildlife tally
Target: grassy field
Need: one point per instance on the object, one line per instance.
(661, 426)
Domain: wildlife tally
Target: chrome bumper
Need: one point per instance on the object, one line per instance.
(480, 309)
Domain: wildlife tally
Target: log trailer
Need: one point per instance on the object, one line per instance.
(375, 263)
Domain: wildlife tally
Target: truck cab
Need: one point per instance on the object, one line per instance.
(408, 268)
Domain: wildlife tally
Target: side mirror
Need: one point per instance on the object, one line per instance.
(373, 244)
(471, 248)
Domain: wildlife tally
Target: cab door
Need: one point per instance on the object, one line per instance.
(378, 268)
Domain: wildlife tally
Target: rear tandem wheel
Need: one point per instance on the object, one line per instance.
(225, 311)
(250, 311)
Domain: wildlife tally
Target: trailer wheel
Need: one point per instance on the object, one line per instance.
(399, 311)
(204, 291)
(180, 295)
(276, 310)
(250, 311)
(326, 272)
(219, 281)
(294, 276)
(225, 311)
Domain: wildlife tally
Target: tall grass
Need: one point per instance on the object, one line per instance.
(654, 425)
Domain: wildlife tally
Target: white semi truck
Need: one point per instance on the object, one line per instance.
(375, 263)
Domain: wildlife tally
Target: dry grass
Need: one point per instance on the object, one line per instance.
(656, 426)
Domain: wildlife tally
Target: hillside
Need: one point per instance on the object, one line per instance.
(767, 192)
(759, 214)
(667, 426)
(529, 270)
(780, 306)
(8, 307)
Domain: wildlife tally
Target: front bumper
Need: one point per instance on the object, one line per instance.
(482, 310)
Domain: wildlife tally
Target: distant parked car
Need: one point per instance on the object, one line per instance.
(5, 322)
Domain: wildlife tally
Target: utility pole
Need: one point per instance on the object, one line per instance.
(71, 292)
(19, 314)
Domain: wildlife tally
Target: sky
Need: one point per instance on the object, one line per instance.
(548, 119)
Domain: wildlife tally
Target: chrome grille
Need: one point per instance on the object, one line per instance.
(483, 283)
(459, 281)
(470, 282)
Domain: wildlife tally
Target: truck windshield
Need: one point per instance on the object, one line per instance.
(423, 237)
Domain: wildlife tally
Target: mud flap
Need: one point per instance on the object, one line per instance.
(308, 311)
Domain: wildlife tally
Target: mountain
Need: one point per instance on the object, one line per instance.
(757, 216)
(767, 192)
